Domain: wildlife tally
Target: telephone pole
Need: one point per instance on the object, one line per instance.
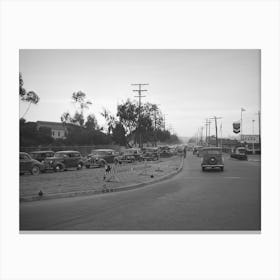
(164, 121)
(259, 115)
(139, 91)
(253, 144)
(216, 118)
(207, 127)
(155, 109)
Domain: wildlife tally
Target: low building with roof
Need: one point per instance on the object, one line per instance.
(58, 130)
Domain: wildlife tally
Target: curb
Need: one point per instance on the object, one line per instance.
(95, 192)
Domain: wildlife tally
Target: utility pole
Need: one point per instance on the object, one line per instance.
(207, 128)
(253, 144)
(209, 134)
(259, 115)
(139, 91)
(164, 121)
(155, 109)
(216, 118)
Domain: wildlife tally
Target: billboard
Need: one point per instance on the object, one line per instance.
(250, 138)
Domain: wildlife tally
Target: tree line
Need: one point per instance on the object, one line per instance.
(130, 126)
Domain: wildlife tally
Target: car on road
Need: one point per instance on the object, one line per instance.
(212, 157)
(150, 153)
(41, 155)
(100, 157)
(28, 164)
(196, 150)
(63, 160)
(239, 153)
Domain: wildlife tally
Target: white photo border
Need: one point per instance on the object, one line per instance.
(145, 24)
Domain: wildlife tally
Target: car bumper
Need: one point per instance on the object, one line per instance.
(213, 165)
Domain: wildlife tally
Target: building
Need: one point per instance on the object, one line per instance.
(58, 130)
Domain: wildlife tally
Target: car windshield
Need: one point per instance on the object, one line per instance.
(35, 155)
(24, 157)
(212, 152)
(129, 152)
(102, 153)
(61, 155)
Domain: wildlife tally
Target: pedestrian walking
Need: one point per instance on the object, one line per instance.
(185, 152)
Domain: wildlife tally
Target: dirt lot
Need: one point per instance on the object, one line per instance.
(93, 179)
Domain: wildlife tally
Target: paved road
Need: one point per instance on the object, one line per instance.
(192, 200)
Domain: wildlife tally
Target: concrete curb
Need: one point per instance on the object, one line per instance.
(109, 190)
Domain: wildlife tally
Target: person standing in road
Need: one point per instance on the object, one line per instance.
(185, 151)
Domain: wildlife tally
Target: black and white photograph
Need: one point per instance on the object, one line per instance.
(140, 139)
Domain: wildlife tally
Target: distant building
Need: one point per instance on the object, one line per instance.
(58, 130)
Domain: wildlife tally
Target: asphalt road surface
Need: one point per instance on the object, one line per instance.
(192, 200)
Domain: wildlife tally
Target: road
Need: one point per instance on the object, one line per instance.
(192, 200)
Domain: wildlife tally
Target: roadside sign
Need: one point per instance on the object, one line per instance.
(236, 127)
(250, 138)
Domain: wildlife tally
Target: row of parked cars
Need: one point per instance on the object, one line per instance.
(41, 161)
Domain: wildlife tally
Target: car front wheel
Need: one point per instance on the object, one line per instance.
(59, 168)
(35, 170)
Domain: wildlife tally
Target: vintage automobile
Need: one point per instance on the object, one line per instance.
(196, 150)
(239, 153)
(41, 155)
(212, 157)
(199, 151)
(165, 151)
(63, 160)
(129, 155)
(28, 164)
(150, 153)
(100, 157)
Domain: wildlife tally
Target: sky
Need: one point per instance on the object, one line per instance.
(188, 85)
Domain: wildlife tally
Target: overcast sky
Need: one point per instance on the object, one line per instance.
(188, 85)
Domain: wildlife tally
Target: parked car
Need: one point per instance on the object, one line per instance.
(28, 164)
(150, 153)
(129, 155)
(180, 149)
(99, 158)
(212, 157)
(64, 160)
(41, 155)
(165, 151)
(239, 153)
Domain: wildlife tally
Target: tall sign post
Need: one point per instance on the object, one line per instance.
(241, 125)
